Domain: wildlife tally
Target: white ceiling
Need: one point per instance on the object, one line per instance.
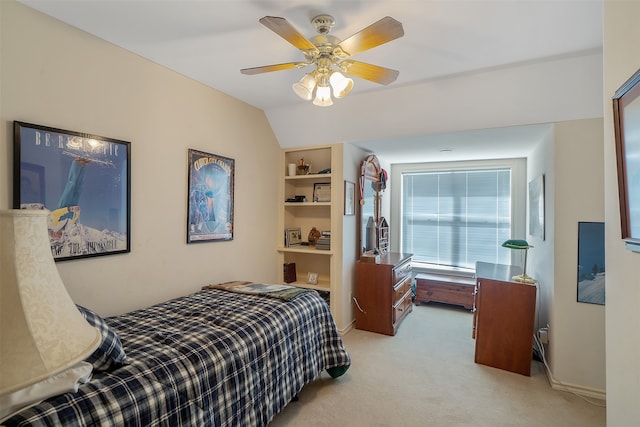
(211, 40)
(503, 143)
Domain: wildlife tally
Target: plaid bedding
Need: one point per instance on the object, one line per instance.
(213, 358)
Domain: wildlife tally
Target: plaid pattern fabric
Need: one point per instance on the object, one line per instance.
(110, 352)
(213, 358)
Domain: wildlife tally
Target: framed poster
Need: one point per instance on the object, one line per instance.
(349, 198)
(210, 197)
(536, 207)
(591, 268)
(83, 180)
(626, 116)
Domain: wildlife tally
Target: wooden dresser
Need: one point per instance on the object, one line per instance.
(383, 293)
(503, 319)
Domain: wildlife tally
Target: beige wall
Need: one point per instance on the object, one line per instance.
(540, 261)
(577, 330)
(571, 160)
(350, 245)
(621, 60)
(55, 75)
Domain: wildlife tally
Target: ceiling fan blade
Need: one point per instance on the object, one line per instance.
(378, 33)
(284, 29)
(275, 67)
(369, 72)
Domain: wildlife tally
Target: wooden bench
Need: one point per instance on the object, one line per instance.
(445, 289)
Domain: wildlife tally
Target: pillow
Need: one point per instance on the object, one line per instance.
(110, 352)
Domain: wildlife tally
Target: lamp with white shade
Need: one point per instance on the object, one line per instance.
(42, 333)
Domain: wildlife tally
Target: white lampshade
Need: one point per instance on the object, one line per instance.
(304, 88)
(323, 96)
(41, 330)
(340, 84)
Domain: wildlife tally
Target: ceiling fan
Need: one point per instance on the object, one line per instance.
(330, 56)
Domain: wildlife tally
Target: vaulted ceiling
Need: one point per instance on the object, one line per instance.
(508, 48)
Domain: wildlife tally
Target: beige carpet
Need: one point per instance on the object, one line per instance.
(426, 376)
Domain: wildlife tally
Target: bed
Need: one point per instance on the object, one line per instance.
(213, 358)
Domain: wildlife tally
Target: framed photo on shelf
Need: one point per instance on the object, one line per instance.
(293, 236)
(322, 192)
(210, 197)
(84, 181)
(312, 278)
(626, 116)
(349, 198)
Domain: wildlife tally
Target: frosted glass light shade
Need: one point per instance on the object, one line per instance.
(41, 331)
(304, 88)
(340, 84)
(323, 96)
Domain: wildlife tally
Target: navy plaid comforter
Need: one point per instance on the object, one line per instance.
(213, 358)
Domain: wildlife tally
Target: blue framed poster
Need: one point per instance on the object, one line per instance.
(83, 180)
(591, 269)
(210, 204)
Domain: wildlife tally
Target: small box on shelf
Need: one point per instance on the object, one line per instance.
(290, 272)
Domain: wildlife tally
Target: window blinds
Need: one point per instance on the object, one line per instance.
(455, 218)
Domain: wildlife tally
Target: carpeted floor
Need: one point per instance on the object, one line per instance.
(426, 376)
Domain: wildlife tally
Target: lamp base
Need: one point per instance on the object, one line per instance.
(523, 278)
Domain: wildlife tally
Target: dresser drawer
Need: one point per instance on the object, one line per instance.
(402, 308)
(401, 289)
(401, 271)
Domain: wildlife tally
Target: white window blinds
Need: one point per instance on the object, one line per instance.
(455, 218)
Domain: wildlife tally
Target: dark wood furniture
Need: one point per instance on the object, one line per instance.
(445, 289)
(383, 293)
(503, 320)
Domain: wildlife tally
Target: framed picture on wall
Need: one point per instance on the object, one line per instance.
(210, 197)
(591, 267)
(626, 116)
(536, 207)
(349, 198)
(83, 180)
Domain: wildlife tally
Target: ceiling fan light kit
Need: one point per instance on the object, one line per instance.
(305, 87)
(341, 85)
(323, 96)
(329, 55)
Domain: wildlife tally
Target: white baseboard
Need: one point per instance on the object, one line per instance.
(345, 330)
(576, 389)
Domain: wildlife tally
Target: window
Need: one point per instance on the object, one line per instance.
(455, 217)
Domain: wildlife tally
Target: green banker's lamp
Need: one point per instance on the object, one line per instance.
(520, 245)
